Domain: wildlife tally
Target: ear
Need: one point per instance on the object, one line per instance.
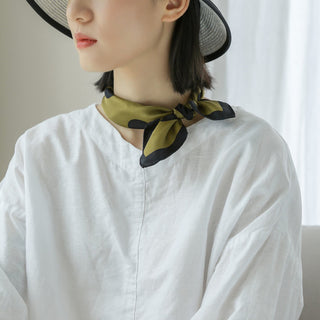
(174, 9)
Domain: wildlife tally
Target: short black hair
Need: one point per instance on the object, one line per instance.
(187, 67)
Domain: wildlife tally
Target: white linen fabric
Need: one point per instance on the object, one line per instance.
(211, 232)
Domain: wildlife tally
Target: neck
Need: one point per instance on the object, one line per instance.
(153, 93)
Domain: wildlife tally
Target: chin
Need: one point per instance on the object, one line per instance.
(86, 66)
(89, 68)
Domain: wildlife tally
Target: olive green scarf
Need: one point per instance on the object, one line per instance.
(164, 132)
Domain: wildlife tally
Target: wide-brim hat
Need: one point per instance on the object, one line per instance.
(214, 36)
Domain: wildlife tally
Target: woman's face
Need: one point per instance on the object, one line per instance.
(125, 30)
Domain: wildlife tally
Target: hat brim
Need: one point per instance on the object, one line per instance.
(215, 34)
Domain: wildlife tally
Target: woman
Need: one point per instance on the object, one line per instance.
(157, 203)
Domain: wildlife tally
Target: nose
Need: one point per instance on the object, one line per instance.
(78, 11)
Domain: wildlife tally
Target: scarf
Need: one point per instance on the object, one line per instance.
(164, 132)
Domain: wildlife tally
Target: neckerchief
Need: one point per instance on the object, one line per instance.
(164, 132)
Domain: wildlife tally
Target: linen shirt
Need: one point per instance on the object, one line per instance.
(212, 232)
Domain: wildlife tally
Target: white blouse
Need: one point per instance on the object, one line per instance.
(213, 232)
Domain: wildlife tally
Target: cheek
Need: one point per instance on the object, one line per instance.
(128, 27)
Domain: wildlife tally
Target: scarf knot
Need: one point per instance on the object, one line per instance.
(183, 111)
(164, 132)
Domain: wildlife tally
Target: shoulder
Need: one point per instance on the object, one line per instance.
(57, 125)
(40, 150)
(53, 141)
(248, 149)
(250, 133)
(259, 174)
(251, 124)
(61, 128)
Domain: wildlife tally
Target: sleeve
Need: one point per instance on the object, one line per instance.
(259, 272)
(13, 282)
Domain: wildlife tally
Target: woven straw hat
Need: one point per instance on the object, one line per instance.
(215, 35)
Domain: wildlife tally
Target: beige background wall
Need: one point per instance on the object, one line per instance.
(40, 75)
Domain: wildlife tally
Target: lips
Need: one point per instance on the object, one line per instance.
(81, 36)
(85, 43)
